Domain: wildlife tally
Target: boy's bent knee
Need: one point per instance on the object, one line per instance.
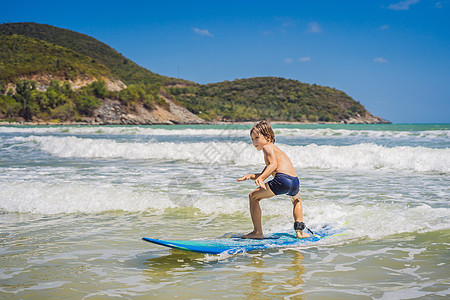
(296, 198)
(256, 195)
(253, 196)
(260, 194)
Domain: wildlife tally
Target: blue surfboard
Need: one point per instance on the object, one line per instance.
(236, 244)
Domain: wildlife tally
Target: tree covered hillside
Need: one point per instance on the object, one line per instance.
(268, 98)
(49, 73)
(123, 68)
(25, 56)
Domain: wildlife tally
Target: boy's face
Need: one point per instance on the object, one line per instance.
(258, 140)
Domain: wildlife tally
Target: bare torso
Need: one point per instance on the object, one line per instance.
(284, 164)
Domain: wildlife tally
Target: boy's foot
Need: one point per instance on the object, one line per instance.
(253, 235)
(301, 235)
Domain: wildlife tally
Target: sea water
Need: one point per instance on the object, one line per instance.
(75, 202)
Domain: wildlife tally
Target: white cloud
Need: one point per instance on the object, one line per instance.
(380, 60)
(403, 5)
(288, 60)
(286, 21)
(314, 27)
(384, 27)
(304, 59)
(202, 32)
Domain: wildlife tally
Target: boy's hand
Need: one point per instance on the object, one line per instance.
(246, 177)
(260, 182)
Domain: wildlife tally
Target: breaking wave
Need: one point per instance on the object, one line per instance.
(359, 156)
(68, 198)
(227, 131)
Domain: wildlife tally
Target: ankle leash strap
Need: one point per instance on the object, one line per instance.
(301, 226)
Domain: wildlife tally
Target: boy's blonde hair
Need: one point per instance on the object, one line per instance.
(263, 128)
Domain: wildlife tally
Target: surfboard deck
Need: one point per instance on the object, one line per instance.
(232, 245)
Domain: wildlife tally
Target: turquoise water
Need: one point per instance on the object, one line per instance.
(75, 202)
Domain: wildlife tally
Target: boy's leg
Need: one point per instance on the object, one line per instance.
(255, 211)
(298, 215)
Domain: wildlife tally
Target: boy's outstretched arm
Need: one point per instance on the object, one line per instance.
(251, 176)
(248, 177)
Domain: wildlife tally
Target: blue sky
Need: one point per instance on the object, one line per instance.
(392, 56)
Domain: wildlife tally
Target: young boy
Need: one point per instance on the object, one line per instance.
(285, 180)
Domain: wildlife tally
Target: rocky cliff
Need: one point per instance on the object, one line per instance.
(111, 112)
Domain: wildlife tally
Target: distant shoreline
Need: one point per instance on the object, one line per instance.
(6, 123)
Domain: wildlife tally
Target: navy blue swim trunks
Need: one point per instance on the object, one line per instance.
(284, 184)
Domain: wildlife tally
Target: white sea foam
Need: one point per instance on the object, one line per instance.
(373, 134)
(42, 198)
(228, 131)
(370, 156)
(391, 218)
(360, 221)
(359, 156)
(232, 131)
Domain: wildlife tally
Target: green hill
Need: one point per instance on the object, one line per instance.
(29, 49)
(268, 98)
(25, 56)
(123, 68)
